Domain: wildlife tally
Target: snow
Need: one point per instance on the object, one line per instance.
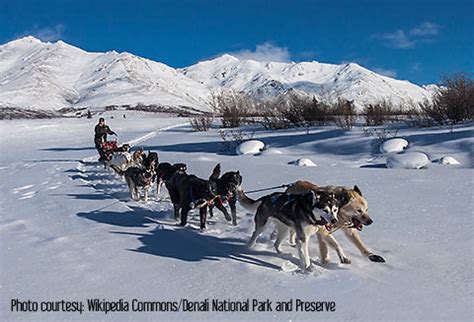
(51, 76)
(304, 162)
(448, 160)
(393, 145)
(250, 147)
(327, 82)
(271, 151)
(408, 160)
(69, 230)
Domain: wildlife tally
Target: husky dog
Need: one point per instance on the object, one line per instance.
(353, 214)
(136, 178)
(188, 192)
(138, 158)
(303, 213)
(164, 172)
(151, 161)
(226, 191)
(121, 158)
(124, 148)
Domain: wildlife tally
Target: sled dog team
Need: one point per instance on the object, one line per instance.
(303, 210)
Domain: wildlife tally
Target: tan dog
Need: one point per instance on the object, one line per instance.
(353, 213)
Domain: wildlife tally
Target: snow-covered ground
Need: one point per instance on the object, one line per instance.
(68, 230)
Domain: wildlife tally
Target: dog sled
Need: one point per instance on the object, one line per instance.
(108, 149)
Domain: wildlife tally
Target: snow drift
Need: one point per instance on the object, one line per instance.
(408, 160)
(250, 147)
(393, 145)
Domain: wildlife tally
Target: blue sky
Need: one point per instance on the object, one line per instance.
(416, 40)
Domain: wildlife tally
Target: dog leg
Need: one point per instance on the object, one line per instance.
(159, 182)
(261, 221)
(281, 233)
(302, 246)
(223, 210)
(323, 248)
(335, 245)
(256, 233)
(211, 211)
(233, 210)
(353, 235)
(145, 194)
(176, 212)
(202, 217)
(132, 189)
(184, 216)
(259, 228)
(292, 239)
(137, 193)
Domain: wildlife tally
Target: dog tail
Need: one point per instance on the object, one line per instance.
(248, 203)
(117, 170)
(216, 173)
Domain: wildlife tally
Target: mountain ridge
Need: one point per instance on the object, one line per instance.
(51, 76)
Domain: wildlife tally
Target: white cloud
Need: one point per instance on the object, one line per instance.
(425, 29)
(423, 33)
(386, 72)
(51, 33)
(265, 52)
(415, 67)
(398, 39)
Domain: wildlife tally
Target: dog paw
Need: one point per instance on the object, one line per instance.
(345, 260)
(234, 223)
(326, 260)
(376, 258)
(309, 269)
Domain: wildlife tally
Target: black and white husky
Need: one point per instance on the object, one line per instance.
(302, 213)
(137, 178)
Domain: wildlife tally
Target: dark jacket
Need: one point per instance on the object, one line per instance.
(101, 133)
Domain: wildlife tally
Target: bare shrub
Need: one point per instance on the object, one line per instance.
(453, 101)
(232, 138)
(294, 110)
(345, 114)
(201, 123)
(272, 116)
(378, 113)
(380, 135)
(233, 107)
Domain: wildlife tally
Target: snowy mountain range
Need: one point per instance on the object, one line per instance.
(50, 76)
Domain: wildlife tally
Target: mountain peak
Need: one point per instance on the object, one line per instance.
(25, 41)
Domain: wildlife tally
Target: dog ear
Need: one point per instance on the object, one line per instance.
(343, 197)
(216, 172)
(356, 189)
(311, 198)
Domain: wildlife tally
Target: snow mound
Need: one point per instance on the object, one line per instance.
(303, 162)
(447, 160)
(250, 147)
(271, 151)
(408, 160)
(393, 145)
